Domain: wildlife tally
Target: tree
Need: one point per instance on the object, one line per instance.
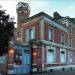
(6, 31)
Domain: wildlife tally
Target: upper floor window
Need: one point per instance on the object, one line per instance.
(50, 34)
(62, 38)
(70, 42)
(30, 34)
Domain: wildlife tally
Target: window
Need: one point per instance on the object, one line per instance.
(62, 56)
(50, 34)
(18, 57)
(70, 41)
(30, 34)
(27, 51)
(62, 38)
(2, 59)
(50, 56)
(70, 56)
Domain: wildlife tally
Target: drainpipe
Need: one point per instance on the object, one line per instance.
(42, 38)
(42, 57)
(68, 58)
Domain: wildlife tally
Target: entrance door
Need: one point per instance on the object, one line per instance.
(23, 60)
(26, 59)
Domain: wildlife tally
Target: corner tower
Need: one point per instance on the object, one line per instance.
(23, 12)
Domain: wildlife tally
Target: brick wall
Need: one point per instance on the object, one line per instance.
(73, 37)
(57, 34)
(37, 59)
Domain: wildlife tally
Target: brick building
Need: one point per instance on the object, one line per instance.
(52, 39)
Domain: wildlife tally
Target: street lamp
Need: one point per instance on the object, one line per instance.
(34, 54)
(11, 51)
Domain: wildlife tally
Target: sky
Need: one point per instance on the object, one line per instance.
(63, 7)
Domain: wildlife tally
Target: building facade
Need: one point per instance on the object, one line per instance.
(52, 39)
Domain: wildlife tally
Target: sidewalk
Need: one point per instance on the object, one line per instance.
(69, 72)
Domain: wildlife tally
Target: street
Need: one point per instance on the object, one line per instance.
(71, 72)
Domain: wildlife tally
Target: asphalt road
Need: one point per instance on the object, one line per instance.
(71, 72)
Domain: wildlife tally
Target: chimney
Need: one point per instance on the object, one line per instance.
(56, 15)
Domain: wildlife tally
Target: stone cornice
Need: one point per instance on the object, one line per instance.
(53, 23)
(55, 44)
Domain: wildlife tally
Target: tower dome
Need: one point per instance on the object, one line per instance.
(22, 5)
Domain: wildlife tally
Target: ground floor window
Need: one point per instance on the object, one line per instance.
(70, 56)
(50, 56)
(62, 56)
(18, 57)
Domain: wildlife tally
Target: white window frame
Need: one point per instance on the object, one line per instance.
(62, 49)
(51, 38)
(70, 56)
(31, 34)
(28, 34)
(63, 38)
(53, 48)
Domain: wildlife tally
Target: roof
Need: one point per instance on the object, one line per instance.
(22, 5)
(70, 19)
(43, 14)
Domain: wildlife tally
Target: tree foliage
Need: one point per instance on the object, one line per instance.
(6, 31)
